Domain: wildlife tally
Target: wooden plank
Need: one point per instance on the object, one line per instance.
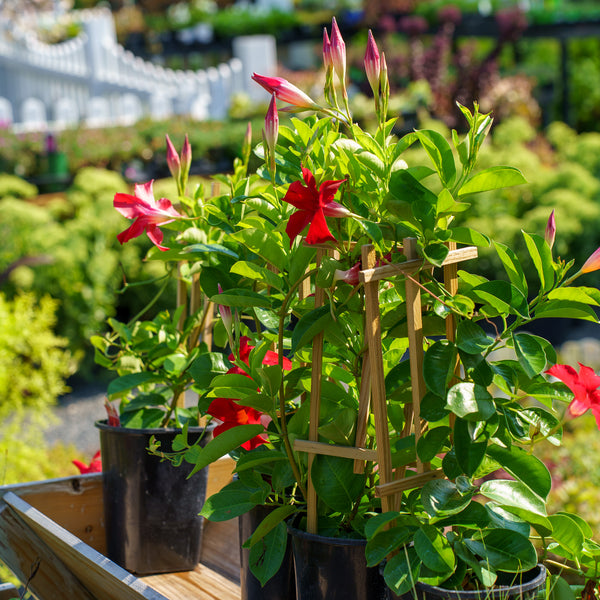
(378, 396)
(408, 483)
(353, 452)
(413, 265)
(33, 563)
(8, 591)
(105, 579)
(364, 409)
(200, 584)
(75, 503)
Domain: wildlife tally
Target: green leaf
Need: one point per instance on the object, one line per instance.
(384, 543)
(336, 483)
(241, 298)
(132, 380)
(206, 367)
(504, 519)
(401, 571)
(581, 523)
(276, 516)
(513, 494)
(436, 253)
(566, 309)
(559, 589)
(526, 467)
(469, 452)
(530, 353)
(466, 235)
(434, 550)
(470, 401)
(235, 499)
(580, 294)
(541, 255)
(513, 267)
(432, 442)
(256, 272)
(404, 187)
(309, 326)
(440, 152)
(505, 550)
(441, 498)
(224, 443)
(493, 178)
(471, 338)
(501, 296)
(567, 533)
(266, 557)
(438, 366)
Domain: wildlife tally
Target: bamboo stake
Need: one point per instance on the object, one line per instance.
(451, 284)
(378, 400)
(360, 454)
(182, 301)
(364, 407)
(415, 344)
(408, 483)
(315, 407)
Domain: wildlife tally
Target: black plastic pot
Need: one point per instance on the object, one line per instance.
(511, 586)
(282, 585)
(150, 507)
(333, 569)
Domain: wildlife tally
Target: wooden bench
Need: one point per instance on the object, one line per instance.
(52, 539)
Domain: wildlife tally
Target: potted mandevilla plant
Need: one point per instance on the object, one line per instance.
(387, 397)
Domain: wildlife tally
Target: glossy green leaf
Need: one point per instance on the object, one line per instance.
(541, 255)
(336, 483)
(241, 298)
(466, 235)
(559, 588)
(470, 401)
(530, 353)
(524, 466)
(206, 367)
(235, 499)
(566, 309)
(132, 380)
(504, 550)
(440, 152)
(501, 296)
(581, 523)
(276, 516)
(504, 519)
(493, 178)
(266, 556)
(513, 493)
(404, 187)
(436, 253)
(225, 443)
(384, 543)
(438, 366)
(567, 533)
(469, 452)
(512, 266)
(471, 338)
(441, 498)
(309, 326)
(434, 550)
(401, 571)
(256, 272)
(432, 442)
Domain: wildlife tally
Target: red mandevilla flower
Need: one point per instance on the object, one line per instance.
(148, 213)
(313, 204)
(95, 465)
(584, 386)
(350, 276)
(230, 413)
(284, 90)
(272, 129)
(592, 263)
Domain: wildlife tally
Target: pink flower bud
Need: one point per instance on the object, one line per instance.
(186, 155)
(173, 159)
(592, 263)
(272, 126)
(372, 64)
(350, 276)
(338, 51)
(285, 91)
(327, 58)
(550, 230)
(225, 312)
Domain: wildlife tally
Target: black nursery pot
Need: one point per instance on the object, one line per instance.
(333, 569)
(150, 507)
(282, 585)
(511, 586)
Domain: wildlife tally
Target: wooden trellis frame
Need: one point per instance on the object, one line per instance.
(372, 397)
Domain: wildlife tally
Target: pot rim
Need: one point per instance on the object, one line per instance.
(102, 425)
(334, 541)
(497, 592)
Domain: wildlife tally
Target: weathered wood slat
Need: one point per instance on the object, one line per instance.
(335, 450)
(105, 579)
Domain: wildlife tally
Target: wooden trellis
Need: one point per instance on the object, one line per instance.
(372, 396)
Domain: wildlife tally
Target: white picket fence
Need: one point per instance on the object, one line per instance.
(93, 80)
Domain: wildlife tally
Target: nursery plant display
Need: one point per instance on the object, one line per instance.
(369, 384)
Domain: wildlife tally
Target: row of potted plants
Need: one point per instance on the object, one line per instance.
(375, 392)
